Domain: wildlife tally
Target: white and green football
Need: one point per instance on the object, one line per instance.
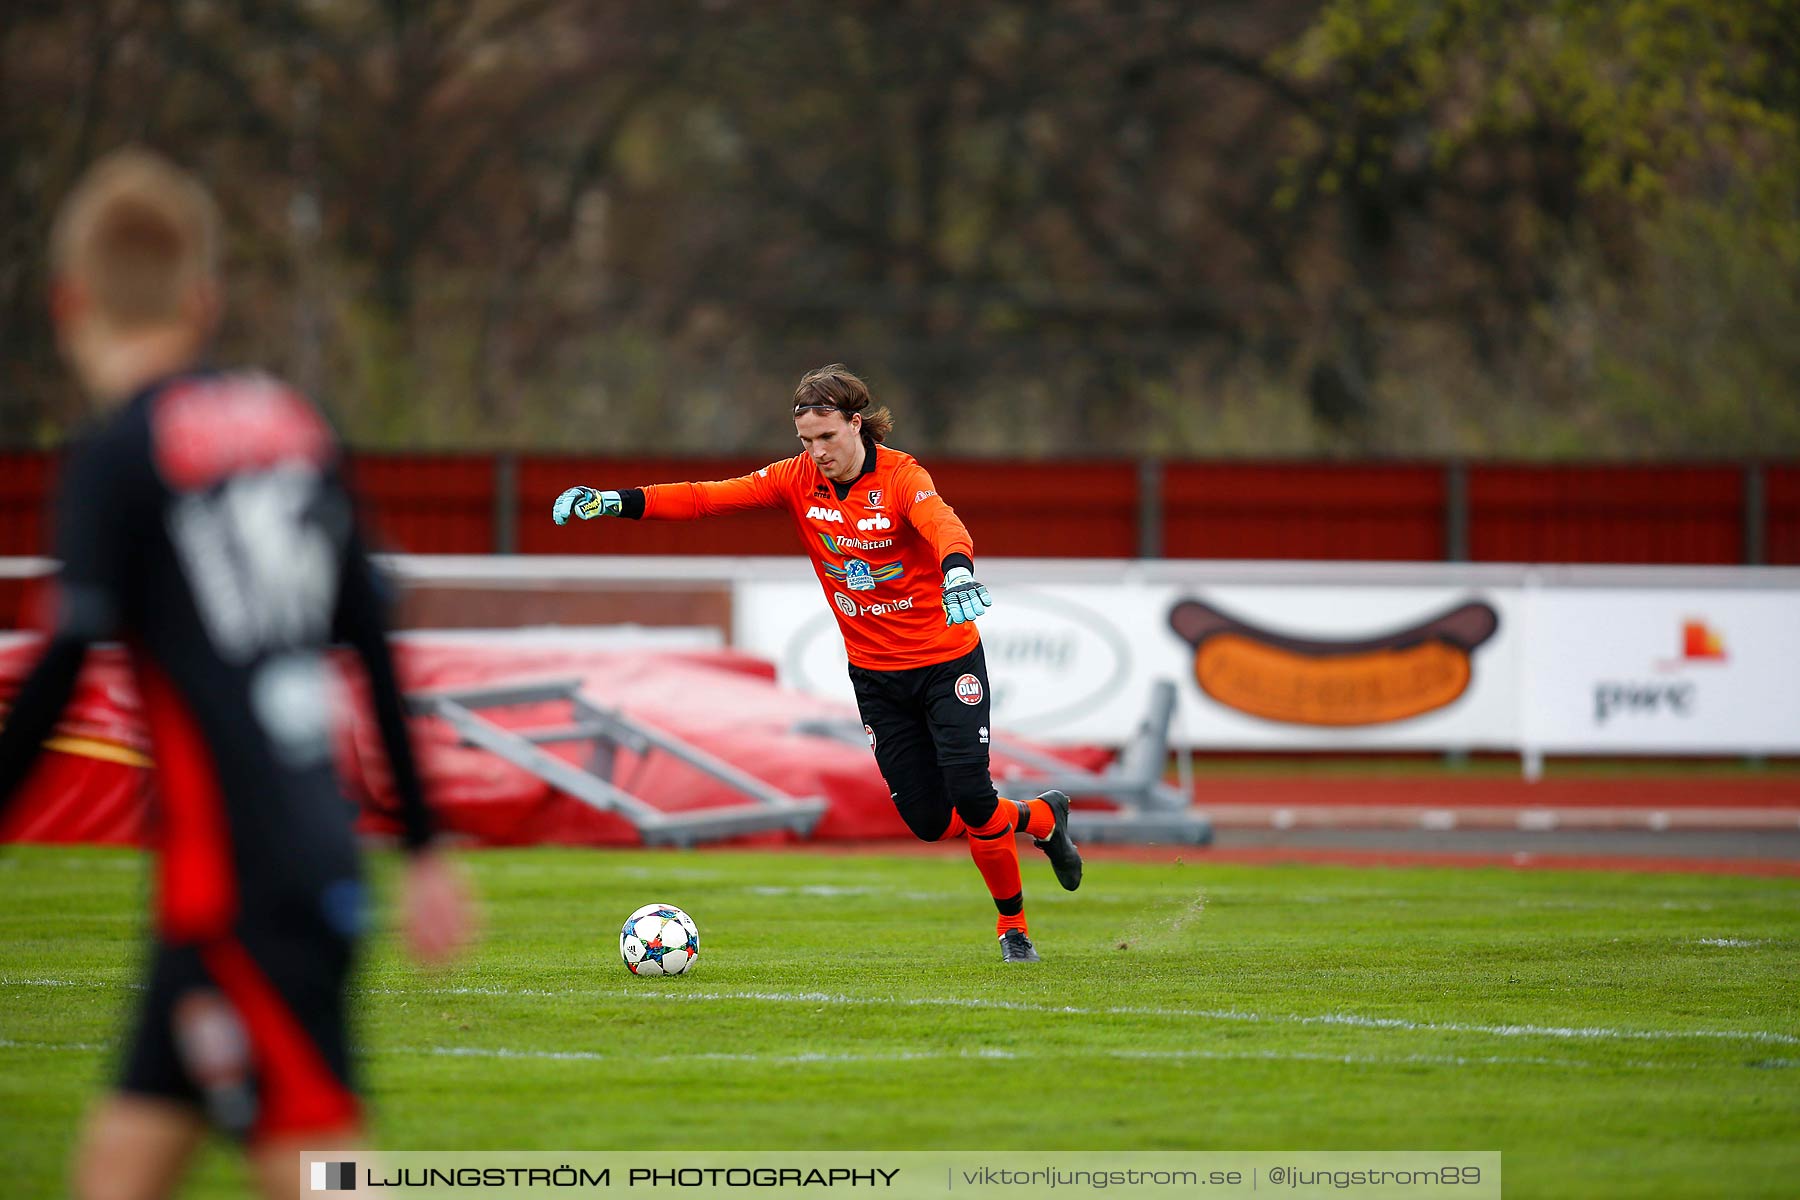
(659, 939)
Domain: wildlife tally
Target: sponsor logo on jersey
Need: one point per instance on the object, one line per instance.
(875, 495)
(842, 545)
(870, 730)
(261, 558)
(984, 735)
(968, 689)
(207, 428)
(859, 576)
(923, 496)
(816, 513)
(849, 607)
(875, 522)
(762, 473)
(820, 489)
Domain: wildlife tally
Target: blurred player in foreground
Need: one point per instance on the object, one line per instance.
(203, 524)
(881, 538)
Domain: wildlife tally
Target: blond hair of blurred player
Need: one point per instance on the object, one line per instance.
(202, 523)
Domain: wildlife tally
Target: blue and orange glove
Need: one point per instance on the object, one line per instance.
(586, 503)
(964, 599)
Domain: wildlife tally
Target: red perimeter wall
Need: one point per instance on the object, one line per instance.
(446, 504)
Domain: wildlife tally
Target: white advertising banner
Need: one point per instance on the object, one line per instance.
(1571, 659)
(1257, 665)
(1663, 671)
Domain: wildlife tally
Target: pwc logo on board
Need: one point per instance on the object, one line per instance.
(1701, 646)
(1700, 642)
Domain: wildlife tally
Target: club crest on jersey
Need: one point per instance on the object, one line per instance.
(859, 576)
(968, 689)
(875, 497)
(845, 604)
(817, 513)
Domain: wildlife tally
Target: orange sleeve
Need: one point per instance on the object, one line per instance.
(930, 514)
(685, 501)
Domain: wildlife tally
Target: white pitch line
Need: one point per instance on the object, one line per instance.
(1347, 1020)
(84, 1047)
(69, 983)
(905, 1056)
(1449, 1060)
(1352, 1020)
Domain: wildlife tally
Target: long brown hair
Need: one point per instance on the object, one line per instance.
(836, 387)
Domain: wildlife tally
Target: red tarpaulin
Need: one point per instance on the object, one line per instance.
(94, 784)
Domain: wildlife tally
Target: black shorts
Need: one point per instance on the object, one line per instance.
(281, 1063)
(928, 727)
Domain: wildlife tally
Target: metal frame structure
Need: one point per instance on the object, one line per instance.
(1148, 809)
(765, 807)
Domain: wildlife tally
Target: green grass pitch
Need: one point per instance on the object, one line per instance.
(1611, 1034)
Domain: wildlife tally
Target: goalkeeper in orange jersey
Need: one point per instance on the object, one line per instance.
(881, 540)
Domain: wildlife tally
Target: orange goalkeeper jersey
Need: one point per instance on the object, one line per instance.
(878, 552)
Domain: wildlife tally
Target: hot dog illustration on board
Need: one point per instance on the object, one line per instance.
(1338, 682)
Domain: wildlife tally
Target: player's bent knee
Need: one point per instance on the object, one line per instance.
(930, 827)
(972, 792)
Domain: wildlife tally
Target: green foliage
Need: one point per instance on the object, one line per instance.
(1622, 176)
(1307, 226)
(1701, 350)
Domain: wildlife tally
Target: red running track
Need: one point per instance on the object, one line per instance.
(1449, 791)
(1200, 856)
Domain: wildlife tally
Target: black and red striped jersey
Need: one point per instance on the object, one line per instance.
(204, 525)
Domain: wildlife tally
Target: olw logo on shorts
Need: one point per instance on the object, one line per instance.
(334, 1177)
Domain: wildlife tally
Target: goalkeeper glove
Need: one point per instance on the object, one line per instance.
(586, 503)
(964, 599)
